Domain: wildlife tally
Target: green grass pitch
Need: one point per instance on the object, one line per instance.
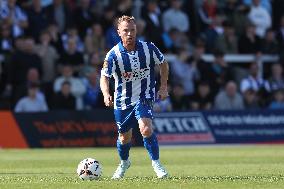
(201, 167)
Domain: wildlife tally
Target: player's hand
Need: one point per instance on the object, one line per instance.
(108, 100)
(163, 93)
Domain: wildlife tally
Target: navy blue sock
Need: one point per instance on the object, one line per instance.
(151, 144)
(123, 149)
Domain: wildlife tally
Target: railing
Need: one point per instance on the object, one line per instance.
(237, 58)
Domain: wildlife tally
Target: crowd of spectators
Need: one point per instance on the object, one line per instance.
(51, 51)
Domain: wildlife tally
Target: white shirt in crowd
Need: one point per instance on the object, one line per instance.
(260, 17)
(175, 19)
(27, 104)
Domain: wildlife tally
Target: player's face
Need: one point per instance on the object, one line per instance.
(127, 32)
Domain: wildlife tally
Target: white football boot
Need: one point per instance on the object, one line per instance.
(159, 169)
(121, 169)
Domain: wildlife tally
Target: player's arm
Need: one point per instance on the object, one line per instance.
(104, 84)
(164, 74)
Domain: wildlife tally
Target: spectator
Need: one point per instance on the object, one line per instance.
(162, 105)
(64, 100)
(266, 4)
(58, 13)
(83, 17)
(31, 103)
(32, 77)
(154, 28)
(14, 16)
(49, 57)
(227, 42)
(280, 38)
(123, 7)
(140, 25)
(229, 99)
(6, 40)
(250, 99)
(72, 33)
(178, 98)
(77, 87)
(174, 17)
(202, 99)
(72, 57)
(211, 34)
(207, 13)
(56, 40)
(249, 42)
(179, 67)
(276, 81)
(260, 18)
(253, 81)
(217, 73)
(95, 39)
(278, 102)
(37, 20)
(22, 60)
(270, 44)
(93, 97)
(112, 37)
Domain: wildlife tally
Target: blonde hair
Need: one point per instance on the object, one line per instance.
(126, 19)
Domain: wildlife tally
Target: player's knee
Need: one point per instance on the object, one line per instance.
(124, 138)
(146, 131)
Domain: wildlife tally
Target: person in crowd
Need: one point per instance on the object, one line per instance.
(14, 16)
(251, 100)
(141, 33)
(55, 35)
(207, 13)
(95, 39)
(280, 38)
(72, 56)
(174, 17)
(184, 72)
(269, 43)
(227, 42)
(77, 87)
(202, 99)
(211, 34)
(217, 73)
(178, 98)
(154, 25)
(275, 81)
(37, 20)
(64, 100)
(229, 99)
(163, 105)
(58, 13)
(72, 33)
(255, 82)
(260, 17)
(22, 60)
(249, 42)
(49, 57)
(112, 38)
(83, 17)
(93, 98)
(278, 100)
(31, 102)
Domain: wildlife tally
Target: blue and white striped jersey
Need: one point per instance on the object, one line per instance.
(133, 72)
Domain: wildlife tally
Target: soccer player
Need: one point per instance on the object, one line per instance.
(132, 63)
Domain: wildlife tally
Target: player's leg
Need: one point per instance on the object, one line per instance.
(124, 120)
(123, 144)
(144, 116)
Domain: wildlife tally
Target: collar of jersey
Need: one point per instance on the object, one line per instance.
(124, 50)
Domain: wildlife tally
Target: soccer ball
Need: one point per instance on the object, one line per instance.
(89, 169)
